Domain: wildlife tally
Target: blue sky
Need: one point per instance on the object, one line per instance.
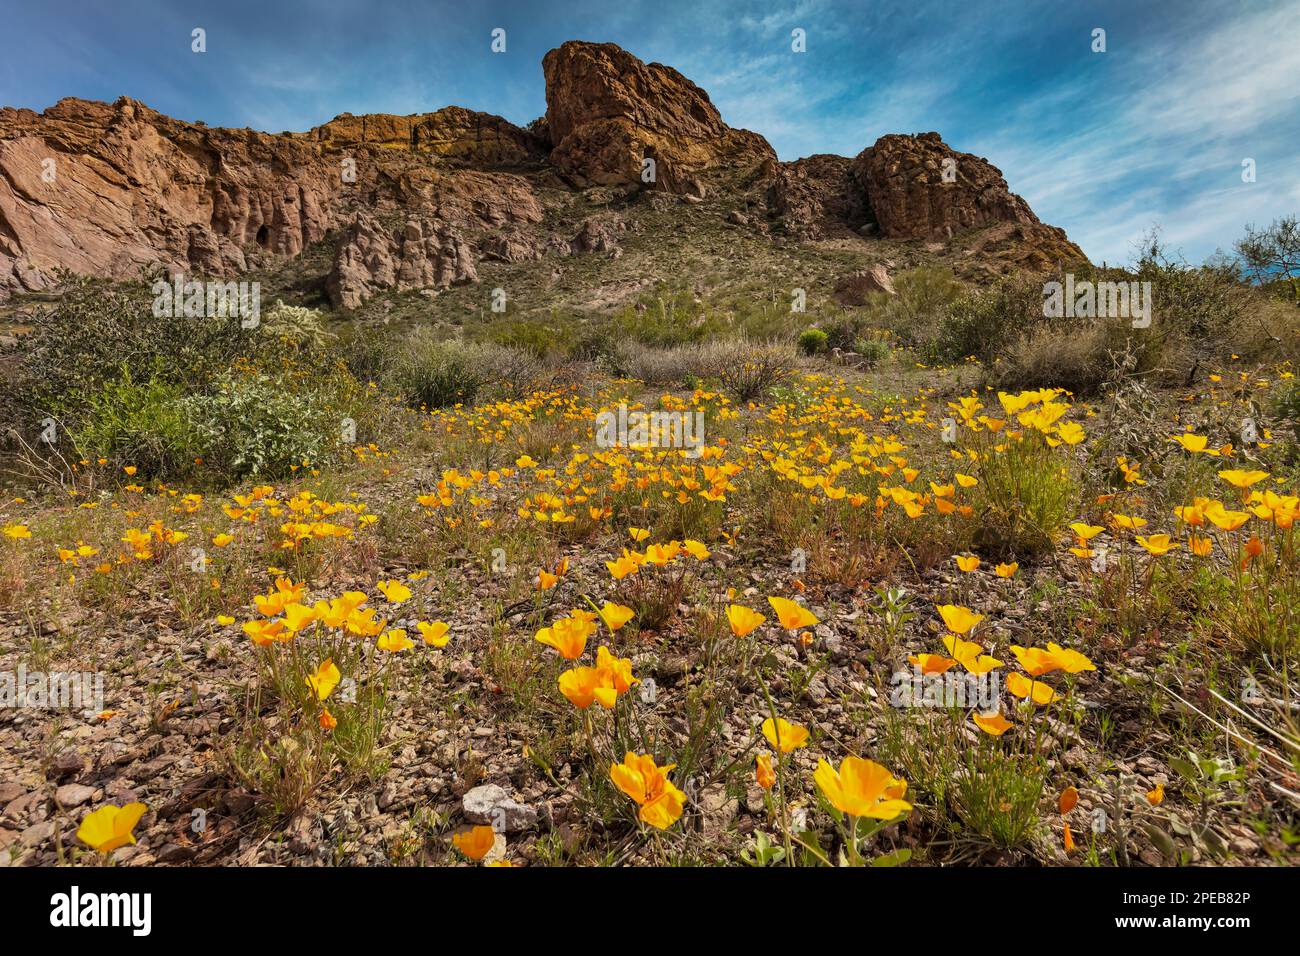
(1153, 131)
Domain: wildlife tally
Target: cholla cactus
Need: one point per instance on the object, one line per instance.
(296, 323)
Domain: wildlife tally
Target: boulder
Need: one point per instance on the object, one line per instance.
(855, 288)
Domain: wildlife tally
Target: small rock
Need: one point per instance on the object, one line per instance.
(11, 790)
(73, 794)
(37, 833)
(490, 804)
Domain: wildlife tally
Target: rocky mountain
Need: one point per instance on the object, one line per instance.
(424, 201)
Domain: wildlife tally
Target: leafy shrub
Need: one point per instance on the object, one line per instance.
(1286, 400)
(99, 332)
(983, 323)
(812, 341)
(873, 349)
(844, 330)
(916, 312)
(252, 425)
(247, 425)
(142, 424)
(369, 354)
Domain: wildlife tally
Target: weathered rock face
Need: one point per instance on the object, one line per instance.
(103, 189)
(904, 181)
(480, 139)
(818, 197)
(607, 112)
(422, 254)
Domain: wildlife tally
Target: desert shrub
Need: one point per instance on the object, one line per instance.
(1026, 496)
(141, 424)
(159, 392)
(99, 332)
(661, 366)
(874, 349)
(983, 323)
(748, 371)
(255, 425)
(248, 424)
(596, 342)
(812, 341)
(552, 338)
(916, 312)
(1079, 355)
(1199, 311)
(671, 317)
(436, 373)
(1271, 257)
(1286, 401)
(369, 353)
(296, 325)
(844, 329)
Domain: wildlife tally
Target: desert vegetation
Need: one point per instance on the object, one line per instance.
(943, 580)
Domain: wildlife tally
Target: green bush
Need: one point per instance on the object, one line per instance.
(249, 425)
(254, 425)
(916, 312)
(140, 424)
(873, 349)
(438, 373)
(99, 332)
(984, 323)
(812, 341)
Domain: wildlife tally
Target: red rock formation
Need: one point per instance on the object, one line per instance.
(818, 197)
(104, 190)
(607, 112)
(857, 287)
(422, 254)
(904, 181)
(480, 139)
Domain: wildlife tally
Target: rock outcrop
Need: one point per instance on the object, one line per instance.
(478, 139)
(857, 287)
(919, 188)
(422, 254)
(818, 197)
(105, 189)
(607, 113)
